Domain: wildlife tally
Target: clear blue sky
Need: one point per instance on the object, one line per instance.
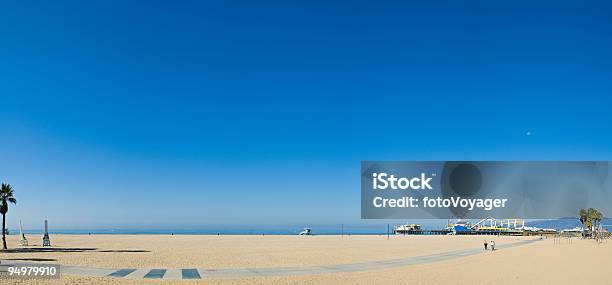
(207, 112)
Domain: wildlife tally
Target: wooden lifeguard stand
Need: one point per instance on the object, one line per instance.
(46, 240)
(23, 241)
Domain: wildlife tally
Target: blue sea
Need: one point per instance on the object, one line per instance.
(335, 229)
(332, 229)
(225, 230)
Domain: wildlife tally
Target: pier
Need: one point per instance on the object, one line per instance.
(425, 232)
(486, 226)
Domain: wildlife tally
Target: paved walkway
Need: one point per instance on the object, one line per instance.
(197, 273)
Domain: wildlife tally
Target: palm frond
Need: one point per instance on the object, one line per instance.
(6, 191)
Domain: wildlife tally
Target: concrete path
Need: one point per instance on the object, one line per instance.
(198, 273)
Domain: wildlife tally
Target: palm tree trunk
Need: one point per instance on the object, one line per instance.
(4, 231)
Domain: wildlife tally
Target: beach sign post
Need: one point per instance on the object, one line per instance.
(23, 241)
(46, 240)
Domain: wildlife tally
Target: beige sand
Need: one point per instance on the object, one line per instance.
(538, 263)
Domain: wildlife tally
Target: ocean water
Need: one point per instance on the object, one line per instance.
(336, 229)
(333, 229)
(319, 230)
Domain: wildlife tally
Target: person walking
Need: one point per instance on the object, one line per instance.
(492, 245)
(486, 244)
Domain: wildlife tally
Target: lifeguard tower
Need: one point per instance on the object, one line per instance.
(306, 232)
(46, 240)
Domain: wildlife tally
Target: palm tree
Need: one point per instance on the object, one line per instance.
(593, 217)
(597, 217)
(6, 195)
(590, 219)
(583, 217)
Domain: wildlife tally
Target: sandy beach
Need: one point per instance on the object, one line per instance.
(546, 261)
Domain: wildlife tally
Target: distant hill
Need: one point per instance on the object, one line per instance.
(562, 223)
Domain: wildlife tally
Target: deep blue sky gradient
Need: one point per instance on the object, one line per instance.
(125, 113)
